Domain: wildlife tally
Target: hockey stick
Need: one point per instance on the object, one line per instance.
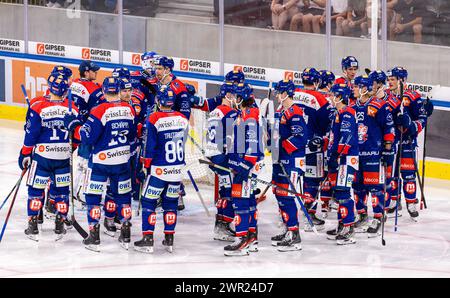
(399, 158)
(75, 224)
(24, 91)
(12, 190)
(383, 242)
(423, 202)
(12, 203)
(302, 205)
(198, 193)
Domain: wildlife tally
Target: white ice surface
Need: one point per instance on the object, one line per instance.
(416, 250)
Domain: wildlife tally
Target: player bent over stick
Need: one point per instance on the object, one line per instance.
(47, 144)
(343, 163)
(164, 158)
(109, 129)
(289, 138)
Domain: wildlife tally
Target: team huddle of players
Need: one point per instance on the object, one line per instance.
(333, 140)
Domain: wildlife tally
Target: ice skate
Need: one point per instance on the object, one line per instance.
(125, 235)
(374, 228)
(291, 242)
(224, 232)
(413, 213)
(362, 224)
(325, 209)
(253, 241)
(68, 224)
(238, 248)
(145, 245)
(278, 238)
(32, 231)
(40, 219)
(390, 213)
(168, 242)
(318, 223)
(60, 230)
(332, 234)
(110, 227)
(346, 236)
(92, 242)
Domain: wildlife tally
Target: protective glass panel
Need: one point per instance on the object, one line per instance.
(11, 26)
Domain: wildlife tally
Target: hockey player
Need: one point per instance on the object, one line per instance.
(350, 68)
(110, 129)
(47, 145)
(343, 163)
(289, 139)
(164, 158)
(245, 153)
(220, 122)
(327, 79)
(318, 113)
(235, 76)
(412, 119)
(375, 136)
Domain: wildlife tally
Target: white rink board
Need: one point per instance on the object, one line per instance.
(416, 250)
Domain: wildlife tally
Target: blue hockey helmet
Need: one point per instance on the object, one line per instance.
(190, 89)
(378, 76)
(111, 85)
(58, 85)
(147, 59)
(348, 62)
(235, 76)
(165, 97)
(341, 90)
(244, 91)
(285, 86)
(310, 76)
(398, 72)
(122, 72)
(63, 70)
(364, 81)
(326, 78)
(164, 62)
(125, 83)
(227, 87)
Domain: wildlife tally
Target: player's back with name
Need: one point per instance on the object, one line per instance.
(220, 125)
(110, 129)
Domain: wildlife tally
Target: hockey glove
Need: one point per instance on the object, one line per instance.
(242, 172)
(333, 164)
(71, 122)
(146, 162)
(25, 157)
(315, 144)
(404, 120)
(197, 101)
(190, 89)
(429, 107)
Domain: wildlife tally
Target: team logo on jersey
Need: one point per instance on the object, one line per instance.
(110, 206)
(102, 156)
(371, 111)
(41, 148)
(362, 133)
(170, 218)
(126, 212)
(406, 102)
(158, 171)
(346, 124)
(353, 161)
(152, 219)
(62, 207)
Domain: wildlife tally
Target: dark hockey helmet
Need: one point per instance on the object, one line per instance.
(310, 76)
(342, 91)
(378, 76)
(58, 85)
(364, 81)
(398, 72)
(165, 97)
(285, 86)
(111, 85)
(125, 84)
(326, 78)
(243, 92)
(190, 89)
(227, 87)
(164, 62)
(235, 76)
(122, 73)
(62, 70)
(348, 62)
(147, 60)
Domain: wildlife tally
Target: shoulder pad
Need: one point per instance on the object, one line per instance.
(177, 86)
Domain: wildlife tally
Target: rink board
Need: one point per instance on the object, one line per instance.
(32, 71)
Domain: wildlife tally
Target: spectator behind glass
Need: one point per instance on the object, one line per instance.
(338, 14)
(310, 12)
(367, 26)
(356, 16)
(282, 12)
(408, 19)
(55, 3)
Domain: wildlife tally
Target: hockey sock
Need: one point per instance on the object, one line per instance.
(377, 203)
(242, 216)
(34, 205)
(409, 189)
(361, 201)
(169, 206)
(62, 205)
(346, 213)
(124, 206)
(253, 215)
(93, 208)
(148, 216)
(227, 210)
(288, 212)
